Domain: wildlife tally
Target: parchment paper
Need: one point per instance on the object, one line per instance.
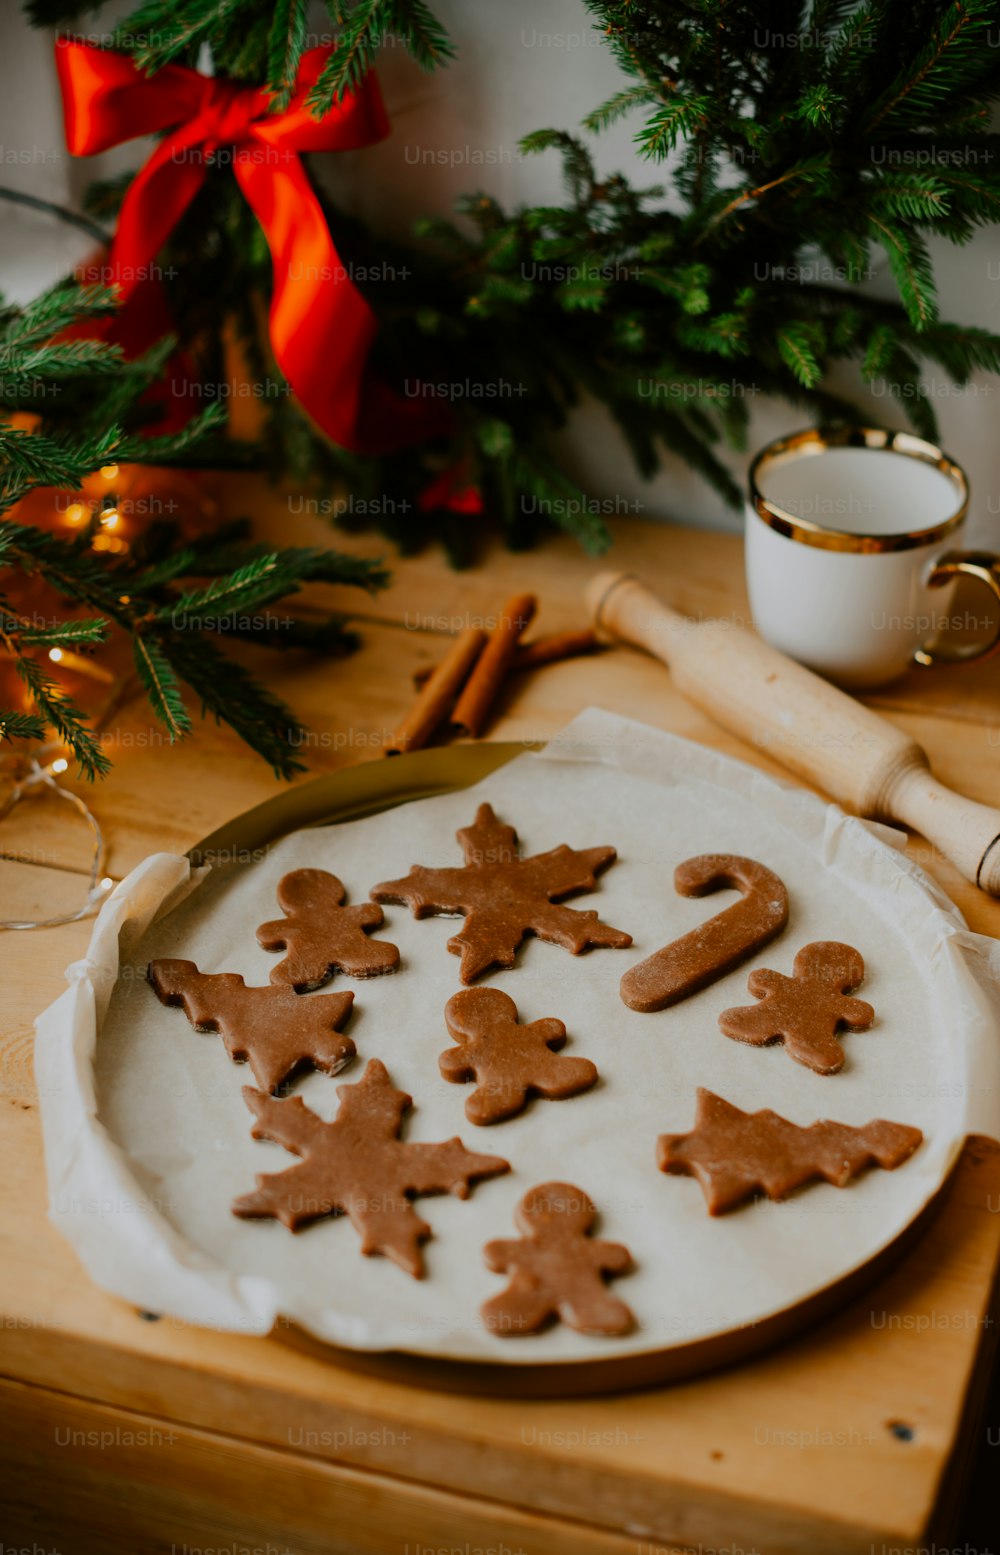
(148, 1140)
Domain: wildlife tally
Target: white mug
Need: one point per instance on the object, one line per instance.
(852, 534)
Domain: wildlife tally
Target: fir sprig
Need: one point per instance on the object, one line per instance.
(792, 140)
(172, 595)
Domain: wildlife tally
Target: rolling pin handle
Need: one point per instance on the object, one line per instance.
(820, 733)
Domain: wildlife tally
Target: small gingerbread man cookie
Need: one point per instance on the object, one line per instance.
(508, 1060)
(806, 1010)
(321, 936)
(558, 1270)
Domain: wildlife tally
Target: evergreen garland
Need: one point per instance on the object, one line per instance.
(836, 127)
(166, 588)
(781, 129)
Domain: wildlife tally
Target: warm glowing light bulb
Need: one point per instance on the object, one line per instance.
(55, 654)
(109, 518)
(109, 472)
(76, 513)
(60, 764)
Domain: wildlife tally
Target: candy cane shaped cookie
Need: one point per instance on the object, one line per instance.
(709, 952)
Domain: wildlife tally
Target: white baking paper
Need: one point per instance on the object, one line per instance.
(148, 1140)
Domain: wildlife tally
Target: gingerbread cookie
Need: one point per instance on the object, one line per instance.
(805, 1011)
(272, 1029)
(358, 1166)
(509, 1062)
(558, 1269)
(322, 936)
(709, 952)
(504, 897)
(735, 1155)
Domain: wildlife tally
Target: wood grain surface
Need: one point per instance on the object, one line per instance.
(852, 1436)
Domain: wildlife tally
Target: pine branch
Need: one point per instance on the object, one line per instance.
(54, 311)
(360, 37)
(32, 459)
(578, 168)
(161, 686)
(835, 146)
(286, 45)
(801, 346)
(258, 582)
(957, 55)
(60, 713)
(21, 726)
(673, 122)
(424, 36)
(233, 697)
(615, 108)
(175, 447)
(69, 359)
(60, 634)
(911, 266)
(141, 592)
(157, 34)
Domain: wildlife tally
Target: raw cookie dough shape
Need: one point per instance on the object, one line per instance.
(322, 936)
(272, 1029)
(808, 1009)
(558, 1269)
(504, 897)
(508, 1060)
(735, 1155)
(357, 1166)
(709, 952)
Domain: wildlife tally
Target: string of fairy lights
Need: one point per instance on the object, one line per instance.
(108, 538)
(42, 777)
(38, 775)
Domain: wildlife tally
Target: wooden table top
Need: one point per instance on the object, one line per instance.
(836, 1440)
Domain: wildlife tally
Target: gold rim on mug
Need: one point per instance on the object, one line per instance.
(817, 440)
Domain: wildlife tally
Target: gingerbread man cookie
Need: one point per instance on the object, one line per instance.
(808, 1009)
(558, 1269)
(321, 936)
(509, 1061)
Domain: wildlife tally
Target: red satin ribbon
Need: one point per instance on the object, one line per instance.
(322, 329)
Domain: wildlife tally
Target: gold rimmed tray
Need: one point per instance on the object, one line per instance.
(374, 787)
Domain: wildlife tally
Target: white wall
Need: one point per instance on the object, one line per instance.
(522, 65)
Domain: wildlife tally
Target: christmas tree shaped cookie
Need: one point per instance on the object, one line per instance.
(735, 1155)
(272, 1029)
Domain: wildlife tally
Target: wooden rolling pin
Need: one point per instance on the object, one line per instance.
(822, 734)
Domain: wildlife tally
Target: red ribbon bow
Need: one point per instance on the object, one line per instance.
(322, 328)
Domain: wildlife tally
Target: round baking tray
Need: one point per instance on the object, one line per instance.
(367, 789)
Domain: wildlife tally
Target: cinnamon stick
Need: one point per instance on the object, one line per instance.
(480, 691)
(541, 650)
(556, 646)
(436, 699)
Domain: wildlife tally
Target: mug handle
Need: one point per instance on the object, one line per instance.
(983, 565)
